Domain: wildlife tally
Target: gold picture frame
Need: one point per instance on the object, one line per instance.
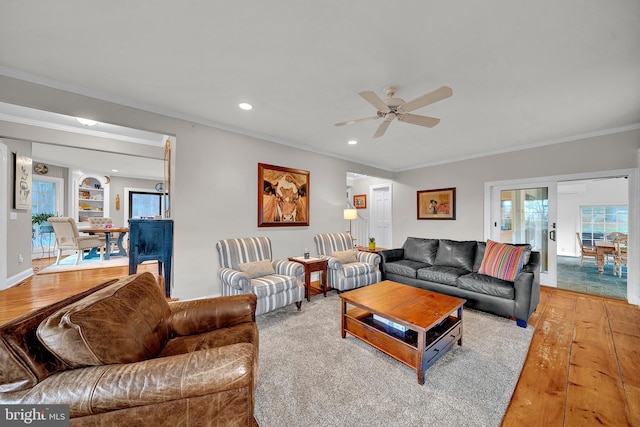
(283, 196)
(437, 204)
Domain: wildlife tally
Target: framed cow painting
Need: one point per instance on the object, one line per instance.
(283, 196)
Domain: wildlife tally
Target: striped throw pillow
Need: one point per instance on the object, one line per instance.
(502, 261)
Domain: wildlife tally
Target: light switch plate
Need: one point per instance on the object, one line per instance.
(13, 215)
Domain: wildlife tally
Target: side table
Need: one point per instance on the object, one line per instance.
(311, 265)
(366, 249)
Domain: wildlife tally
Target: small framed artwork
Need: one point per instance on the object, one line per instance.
(22, 182)
(283, 196)
(437, 204)
(360, 201)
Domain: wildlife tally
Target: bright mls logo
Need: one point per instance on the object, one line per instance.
(37, 415)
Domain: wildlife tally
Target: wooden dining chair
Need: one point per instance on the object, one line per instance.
(586, 250)
(620, 255)
(612, 237)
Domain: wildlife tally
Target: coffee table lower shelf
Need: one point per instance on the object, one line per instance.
(406, 346)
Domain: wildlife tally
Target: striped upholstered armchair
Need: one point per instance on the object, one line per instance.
(347, 269)
(247, 267)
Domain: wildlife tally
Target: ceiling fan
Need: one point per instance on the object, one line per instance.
(396, 108)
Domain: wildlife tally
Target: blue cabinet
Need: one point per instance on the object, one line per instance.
(152, 239)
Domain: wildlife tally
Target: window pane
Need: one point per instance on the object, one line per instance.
(598, 221)
(145, 204)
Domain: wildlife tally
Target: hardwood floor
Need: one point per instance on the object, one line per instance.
(583, 365)
(43, 289)
(582, 368)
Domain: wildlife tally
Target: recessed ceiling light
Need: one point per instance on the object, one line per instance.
(353, 142)
(245, 106)
(114, 170)
(86, 122)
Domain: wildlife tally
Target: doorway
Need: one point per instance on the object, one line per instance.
(589, 211)
(527, 214)
(569, 199)
(381, 214)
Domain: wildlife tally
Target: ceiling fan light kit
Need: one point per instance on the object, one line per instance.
(396, 108)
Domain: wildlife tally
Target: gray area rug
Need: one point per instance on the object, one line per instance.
(310, 376)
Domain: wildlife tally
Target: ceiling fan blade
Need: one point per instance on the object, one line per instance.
(415, 119)
(350, 122)
(374, 100)
(384, 125)
(426, 99)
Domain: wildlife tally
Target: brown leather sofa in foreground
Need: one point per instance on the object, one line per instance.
(119, 354)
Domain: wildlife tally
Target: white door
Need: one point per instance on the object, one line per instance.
(381, 208)
(527, 213)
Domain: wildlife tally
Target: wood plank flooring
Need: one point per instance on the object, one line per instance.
(583, 367)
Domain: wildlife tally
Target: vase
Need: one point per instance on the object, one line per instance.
(372, 245)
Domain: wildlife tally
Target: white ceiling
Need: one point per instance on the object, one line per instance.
(523, 73)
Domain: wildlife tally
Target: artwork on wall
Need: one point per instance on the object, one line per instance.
(283, 196)
(360, 201)
(22, 180)
(437, 204)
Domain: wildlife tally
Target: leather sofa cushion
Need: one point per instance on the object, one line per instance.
(421, 250)
(480, 247)
(241, 333)
(441, 274)
(123, 323)
(487, 285)
(404, 267)
(452, 253)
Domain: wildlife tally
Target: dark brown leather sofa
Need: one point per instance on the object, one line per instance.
(119, 354)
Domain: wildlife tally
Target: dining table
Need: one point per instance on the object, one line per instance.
(603, 248)
(121, 251)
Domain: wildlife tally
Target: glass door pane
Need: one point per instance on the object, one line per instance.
(527, 219)
(527, 215)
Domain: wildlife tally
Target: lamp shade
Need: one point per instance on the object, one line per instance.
(350, 214)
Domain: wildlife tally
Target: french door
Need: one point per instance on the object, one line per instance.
(526, 213)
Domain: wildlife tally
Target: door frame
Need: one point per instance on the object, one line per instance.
(633, 280)
(550, 277)
(3, 216)
(372, 189)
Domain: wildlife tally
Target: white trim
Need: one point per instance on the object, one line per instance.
(372, 189)
(17, 278)
(3, 216)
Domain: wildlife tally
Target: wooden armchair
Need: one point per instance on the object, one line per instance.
(585, 250)
(620, 255)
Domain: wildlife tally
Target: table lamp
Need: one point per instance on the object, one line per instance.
(350, 214)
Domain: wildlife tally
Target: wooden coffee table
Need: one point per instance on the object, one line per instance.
(433, 322)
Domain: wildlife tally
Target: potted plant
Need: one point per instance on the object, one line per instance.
(41, 220)
(372, 243)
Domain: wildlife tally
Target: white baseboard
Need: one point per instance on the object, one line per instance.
(15, 279)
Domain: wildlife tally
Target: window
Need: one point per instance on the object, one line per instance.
(597, 221)
(46, 198)
(144, 205)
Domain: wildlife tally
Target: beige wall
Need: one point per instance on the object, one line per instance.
(215, 181)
